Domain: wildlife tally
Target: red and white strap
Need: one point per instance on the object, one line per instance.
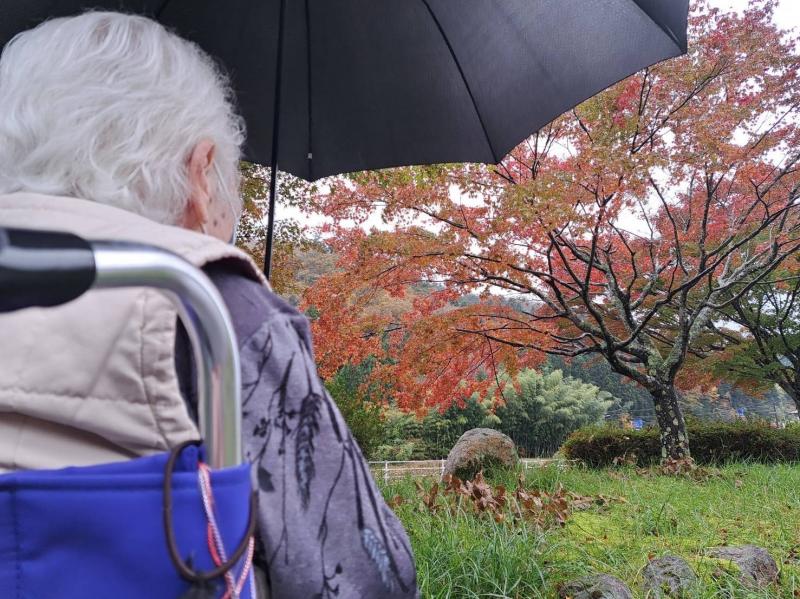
(215, 545)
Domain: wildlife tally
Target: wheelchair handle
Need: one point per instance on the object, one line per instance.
(42, 269)
(48, 269)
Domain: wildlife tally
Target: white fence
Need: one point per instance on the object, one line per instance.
(389, 470)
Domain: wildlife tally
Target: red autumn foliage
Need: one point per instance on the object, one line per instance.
(626, 226)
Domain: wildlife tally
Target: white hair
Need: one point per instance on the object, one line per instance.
(108, 107)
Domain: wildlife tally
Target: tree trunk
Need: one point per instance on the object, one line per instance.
(793, 391)
(796, 398)
(674, 438)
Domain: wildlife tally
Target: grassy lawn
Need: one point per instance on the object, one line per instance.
(460, 554)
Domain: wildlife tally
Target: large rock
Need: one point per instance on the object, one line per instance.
(480, 449)
(601, 586)
(667, 576)
(757, 567)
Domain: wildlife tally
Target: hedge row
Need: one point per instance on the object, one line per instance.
(709, 442)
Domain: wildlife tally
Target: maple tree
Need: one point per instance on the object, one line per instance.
(628, 224)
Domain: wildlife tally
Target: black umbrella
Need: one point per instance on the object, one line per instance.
(334, 86)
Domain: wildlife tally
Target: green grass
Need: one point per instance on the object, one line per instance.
(464, 556)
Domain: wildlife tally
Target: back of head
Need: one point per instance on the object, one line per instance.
(108, 107)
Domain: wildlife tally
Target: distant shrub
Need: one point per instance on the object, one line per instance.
(363, 416)
(402, 438)
(431, 438)
(710, 443)
(441, 430)
(399, 451)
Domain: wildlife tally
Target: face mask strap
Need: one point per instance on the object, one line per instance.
(236, 216)
(235, 229)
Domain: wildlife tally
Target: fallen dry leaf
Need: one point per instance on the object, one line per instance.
(531, 506)
(396, 501)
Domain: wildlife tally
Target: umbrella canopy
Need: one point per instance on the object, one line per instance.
(351, 85)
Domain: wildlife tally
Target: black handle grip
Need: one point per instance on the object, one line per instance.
(39, 268)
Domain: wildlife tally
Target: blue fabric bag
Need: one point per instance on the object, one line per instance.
(99, 532)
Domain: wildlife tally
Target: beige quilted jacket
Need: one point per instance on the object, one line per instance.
(94, 380)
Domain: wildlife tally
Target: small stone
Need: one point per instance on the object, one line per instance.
(480, 449)
(600, 586)
(667, 576)
(758, 568)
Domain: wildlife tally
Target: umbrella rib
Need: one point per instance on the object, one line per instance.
(663, 26)
(463, 78)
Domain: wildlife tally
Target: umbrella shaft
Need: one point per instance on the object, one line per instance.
(273, 192)
(276, 119)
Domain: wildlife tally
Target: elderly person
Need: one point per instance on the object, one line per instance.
(111, 127)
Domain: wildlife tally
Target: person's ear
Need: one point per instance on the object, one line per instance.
(198, 168)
